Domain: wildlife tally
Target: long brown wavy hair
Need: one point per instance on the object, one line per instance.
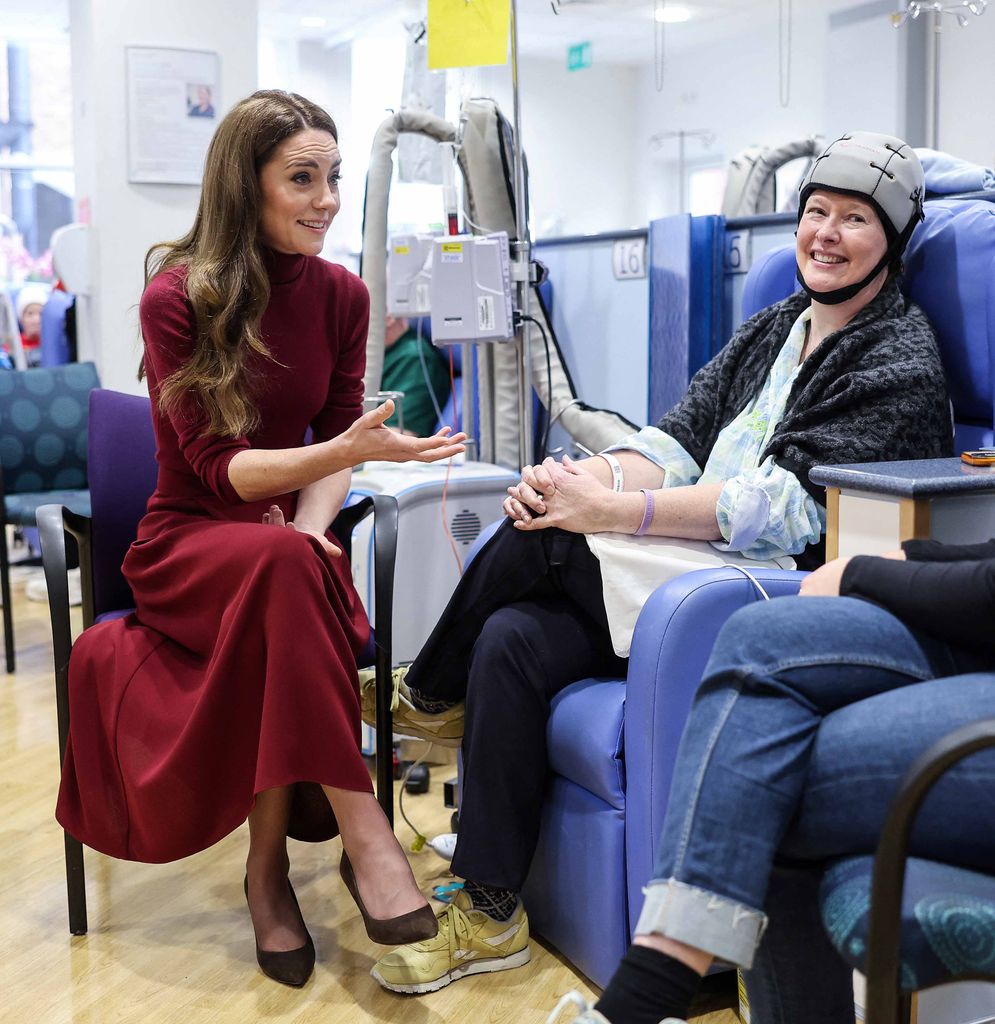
(226, 280)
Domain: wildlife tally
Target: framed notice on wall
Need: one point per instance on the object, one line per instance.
(173, 106)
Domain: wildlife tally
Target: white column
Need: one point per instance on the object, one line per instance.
(127, 218)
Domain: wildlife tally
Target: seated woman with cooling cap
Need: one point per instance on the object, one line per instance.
(844, 371)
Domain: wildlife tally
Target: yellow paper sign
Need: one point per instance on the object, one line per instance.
(452, 246)
(467, 33)
(401, 250)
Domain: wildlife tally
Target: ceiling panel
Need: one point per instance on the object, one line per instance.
(619, 30)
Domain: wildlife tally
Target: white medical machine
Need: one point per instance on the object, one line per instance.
(427, 569)
(470, 289)
(409, 271)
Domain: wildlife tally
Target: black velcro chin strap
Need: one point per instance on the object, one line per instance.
(837, 295)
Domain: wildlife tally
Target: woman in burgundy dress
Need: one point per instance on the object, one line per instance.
(232, 692)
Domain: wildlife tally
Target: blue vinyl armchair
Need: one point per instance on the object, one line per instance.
(612, 744)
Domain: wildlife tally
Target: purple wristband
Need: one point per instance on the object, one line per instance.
(647, 514)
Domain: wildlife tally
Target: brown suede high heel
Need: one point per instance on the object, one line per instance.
(414, 926)
(294, 966)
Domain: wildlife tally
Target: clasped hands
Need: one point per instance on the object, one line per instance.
(564, 495)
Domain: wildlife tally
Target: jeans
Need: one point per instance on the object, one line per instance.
(790, 757)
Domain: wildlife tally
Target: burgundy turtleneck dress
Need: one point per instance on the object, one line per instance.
(236, 673)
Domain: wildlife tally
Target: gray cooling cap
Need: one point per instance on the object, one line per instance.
(879, 167)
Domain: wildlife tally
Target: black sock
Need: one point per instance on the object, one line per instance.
(430, 706)
(648, 986)
(499, 904)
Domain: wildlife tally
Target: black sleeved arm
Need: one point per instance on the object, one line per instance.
(952, 600)
(935, 551)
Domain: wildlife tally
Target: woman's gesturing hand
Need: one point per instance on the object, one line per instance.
(275, 517)
(369, 440)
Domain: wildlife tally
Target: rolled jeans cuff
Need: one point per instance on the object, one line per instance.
(728, 930)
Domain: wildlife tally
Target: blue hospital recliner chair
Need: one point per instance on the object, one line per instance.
(612, 743)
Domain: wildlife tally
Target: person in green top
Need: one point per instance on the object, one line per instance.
(412, 364)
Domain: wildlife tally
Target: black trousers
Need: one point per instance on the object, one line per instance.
(527, 619)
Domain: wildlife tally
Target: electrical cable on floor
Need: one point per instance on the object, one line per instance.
(420, 840)
(443, 844)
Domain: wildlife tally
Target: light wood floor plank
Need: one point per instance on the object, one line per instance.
(172, 943)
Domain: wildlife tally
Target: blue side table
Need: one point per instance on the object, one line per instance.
(872, 507)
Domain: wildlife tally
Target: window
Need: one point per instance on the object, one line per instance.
(706, 187)
(36, 175)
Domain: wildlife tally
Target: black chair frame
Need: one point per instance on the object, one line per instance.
(8, 610)
(56, 523)
(885, 1003)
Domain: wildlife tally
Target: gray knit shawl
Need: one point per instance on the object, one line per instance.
(872, 392)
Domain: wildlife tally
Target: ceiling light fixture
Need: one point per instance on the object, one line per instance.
(671, 15)
(916, 7)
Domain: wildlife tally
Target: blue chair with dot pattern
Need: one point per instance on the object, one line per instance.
(910, 923)
(43, 438)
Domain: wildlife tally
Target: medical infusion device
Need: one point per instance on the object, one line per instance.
(470, 290)
(409, 273)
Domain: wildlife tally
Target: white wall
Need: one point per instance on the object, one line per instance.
(967, 83)
(358, 83)
(728, 87)
(128, 218)
(580, 131)
(578, 127)
(849, 69)
(325, 76)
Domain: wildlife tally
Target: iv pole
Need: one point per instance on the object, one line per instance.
(521, 265)
(703, 134)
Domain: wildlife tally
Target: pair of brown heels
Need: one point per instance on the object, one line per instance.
(294, 966)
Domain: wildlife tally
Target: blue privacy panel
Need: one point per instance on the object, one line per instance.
(685, 257)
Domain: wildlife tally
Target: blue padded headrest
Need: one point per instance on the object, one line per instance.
(771, 278)
(950, 272)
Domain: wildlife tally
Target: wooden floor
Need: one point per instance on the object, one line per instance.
(172, 943)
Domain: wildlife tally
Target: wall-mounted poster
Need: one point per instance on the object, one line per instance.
(173, 105)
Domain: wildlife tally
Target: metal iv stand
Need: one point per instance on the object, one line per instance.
(520, 252)
(521, 266)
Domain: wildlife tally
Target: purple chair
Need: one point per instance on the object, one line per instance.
(122, 477)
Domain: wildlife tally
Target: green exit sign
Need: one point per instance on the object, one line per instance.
(578, 56)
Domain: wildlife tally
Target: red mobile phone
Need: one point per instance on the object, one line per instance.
(982, 457)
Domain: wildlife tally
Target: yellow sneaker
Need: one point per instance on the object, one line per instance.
(445, 728)
(469, 942)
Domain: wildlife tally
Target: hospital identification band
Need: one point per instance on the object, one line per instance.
(616, 468)
(647, 514)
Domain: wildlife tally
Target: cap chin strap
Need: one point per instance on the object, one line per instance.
(835, 296)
